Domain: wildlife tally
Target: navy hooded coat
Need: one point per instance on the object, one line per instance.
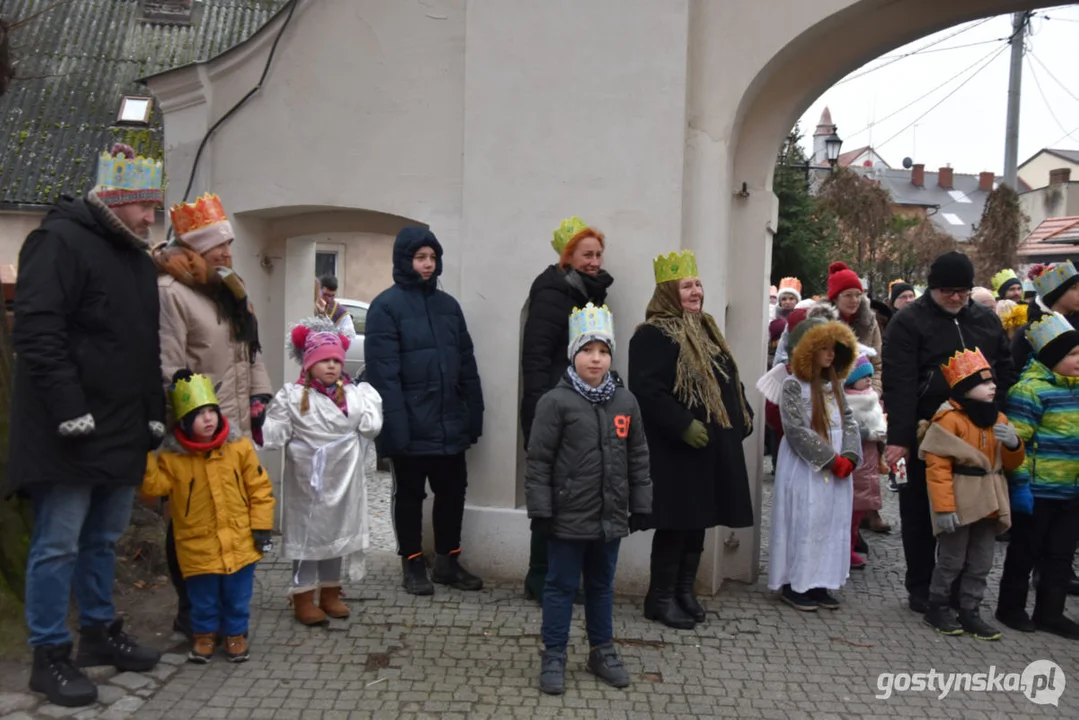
(419, 357)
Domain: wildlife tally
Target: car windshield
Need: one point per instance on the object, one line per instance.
(359, 316)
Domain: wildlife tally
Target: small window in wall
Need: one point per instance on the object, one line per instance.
(325, 264)
(135, 110)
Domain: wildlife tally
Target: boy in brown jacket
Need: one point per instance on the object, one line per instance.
(966, 448)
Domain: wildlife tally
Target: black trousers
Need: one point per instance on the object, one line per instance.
(183, 609)
(676, 543)
(919, 545)
(448, 475)
(1045, 539)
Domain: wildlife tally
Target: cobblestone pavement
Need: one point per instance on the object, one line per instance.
(475, 655)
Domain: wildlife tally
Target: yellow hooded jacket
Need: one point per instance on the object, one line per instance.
(218, 497)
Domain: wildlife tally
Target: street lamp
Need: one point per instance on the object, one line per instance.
(832, 146)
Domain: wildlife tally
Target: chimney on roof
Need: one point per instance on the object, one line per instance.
(917, 175)
(986, 181)
(1060, 176)
(944, 178)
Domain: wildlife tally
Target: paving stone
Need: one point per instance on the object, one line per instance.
(19, 715)
(11, 702)
(131, 681)
(123, 708)
(173, 659)
(87, 714)
(56, 711)
(108, 694)
(100, 673)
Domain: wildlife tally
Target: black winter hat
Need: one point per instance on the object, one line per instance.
(951, 270)
(898, 288)
(1058, 348)
(1006, 285)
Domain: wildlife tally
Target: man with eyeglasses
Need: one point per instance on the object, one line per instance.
(917, 342)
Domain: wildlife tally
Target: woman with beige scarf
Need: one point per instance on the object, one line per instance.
(695, 417)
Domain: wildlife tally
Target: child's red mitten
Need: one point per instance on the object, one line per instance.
(842, 467)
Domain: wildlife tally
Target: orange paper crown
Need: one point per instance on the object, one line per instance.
(964, 364)
(791, 283)
(189, 217)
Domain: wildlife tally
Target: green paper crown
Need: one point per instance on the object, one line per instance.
(1002, 277)
(675, 266)
(191, 394)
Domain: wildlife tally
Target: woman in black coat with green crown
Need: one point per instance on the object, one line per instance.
(575, 280)
(695, 417)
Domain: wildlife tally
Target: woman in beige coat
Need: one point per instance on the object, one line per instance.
(208, 326)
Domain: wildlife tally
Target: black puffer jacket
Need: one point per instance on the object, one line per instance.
(587, 465)
(554, 294)
(1021, 348)
(920, 339)
(86, 342)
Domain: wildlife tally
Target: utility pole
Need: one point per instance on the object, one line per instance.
(1015, 82)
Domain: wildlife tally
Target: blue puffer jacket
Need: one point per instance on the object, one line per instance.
(419, 358)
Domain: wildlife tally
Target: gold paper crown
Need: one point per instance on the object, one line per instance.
(964, 364)
(675, 266)
(189, 217)
(191, 394)
(791, 283)
(1002, 277)
(569, 229)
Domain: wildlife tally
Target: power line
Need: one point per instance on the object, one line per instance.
(941, 101)
(1048, 106)
(1062, 85)
(1068, 135)
(945, 49)
(922, 97)
(897, 58)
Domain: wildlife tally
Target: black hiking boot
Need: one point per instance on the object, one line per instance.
(110, 645)
(56, 677)
(942, 619)
(448, 571)
(972, 623)
(1016, 620)
(415, 580)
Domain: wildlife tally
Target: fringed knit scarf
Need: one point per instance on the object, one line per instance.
(702, 353)
(595, 395)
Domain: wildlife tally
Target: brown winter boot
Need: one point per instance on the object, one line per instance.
(202, 648)
(236, 648)
(305, 610)
(329, 601)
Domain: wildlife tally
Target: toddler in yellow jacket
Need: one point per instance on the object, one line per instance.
(222, 514)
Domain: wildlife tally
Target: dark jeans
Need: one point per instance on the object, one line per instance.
(222, 601)
(448, 475)
(566, 561)
(183, 609)
(1047, 540)
(919, 545)
(73, 550)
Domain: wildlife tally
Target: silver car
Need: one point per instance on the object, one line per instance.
(354, 362)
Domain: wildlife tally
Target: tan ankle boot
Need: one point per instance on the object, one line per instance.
(305, 610)
(329, 601)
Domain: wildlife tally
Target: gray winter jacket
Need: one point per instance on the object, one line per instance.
(587, 465)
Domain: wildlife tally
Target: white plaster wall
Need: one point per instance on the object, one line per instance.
(16, 225)
(1036, 172)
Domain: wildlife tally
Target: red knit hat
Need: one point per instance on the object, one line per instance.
(840, 278)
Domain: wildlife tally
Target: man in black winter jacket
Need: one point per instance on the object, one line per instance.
(87, 406)
(916, 343)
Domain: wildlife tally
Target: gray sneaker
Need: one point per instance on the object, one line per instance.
(605, 664)
(553, 672)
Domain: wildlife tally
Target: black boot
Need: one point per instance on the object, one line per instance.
(1073, 584)
(448, 571)
(942, 618)
(1017, 620)
(972, 624)
(58, 679)
(683, 589)
(110, 645)
(860, 545)
(415, 580)
(660, 604)
(1049, 611)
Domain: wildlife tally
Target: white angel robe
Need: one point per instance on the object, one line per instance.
(324, 489)
(811, 508)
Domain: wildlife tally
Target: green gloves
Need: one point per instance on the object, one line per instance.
(696, 435)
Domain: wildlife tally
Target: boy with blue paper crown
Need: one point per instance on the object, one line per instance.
(586, 489)
(222, 511)
(1044, 407)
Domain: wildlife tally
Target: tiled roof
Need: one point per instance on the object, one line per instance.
(850, 156)
(954, 211)
(1054, 236)
(75, 63)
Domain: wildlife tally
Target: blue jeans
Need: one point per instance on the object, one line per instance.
(221, 602)
(567, 561)
(73, 548)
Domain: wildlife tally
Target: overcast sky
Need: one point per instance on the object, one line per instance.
(966, 129)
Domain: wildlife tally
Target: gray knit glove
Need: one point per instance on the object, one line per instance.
(947, 522)
(1007, 435)
(77, 427)
(157, 429)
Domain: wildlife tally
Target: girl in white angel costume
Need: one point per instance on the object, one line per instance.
(326, 425)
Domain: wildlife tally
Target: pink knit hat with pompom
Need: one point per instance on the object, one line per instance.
(319, 346)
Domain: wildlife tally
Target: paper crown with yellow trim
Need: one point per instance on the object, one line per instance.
(570, 229)
(1002, 277)
(791, 283)
(1052, 277)
(124, 177)
(675, 266)
(590, 323)
(191, 393)
(1046, 330)
(201, 225)
(965, 364)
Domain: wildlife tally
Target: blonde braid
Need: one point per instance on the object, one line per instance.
(305, 403)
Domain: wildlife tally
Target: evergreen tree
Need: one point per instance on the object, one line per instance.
(802, 243)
